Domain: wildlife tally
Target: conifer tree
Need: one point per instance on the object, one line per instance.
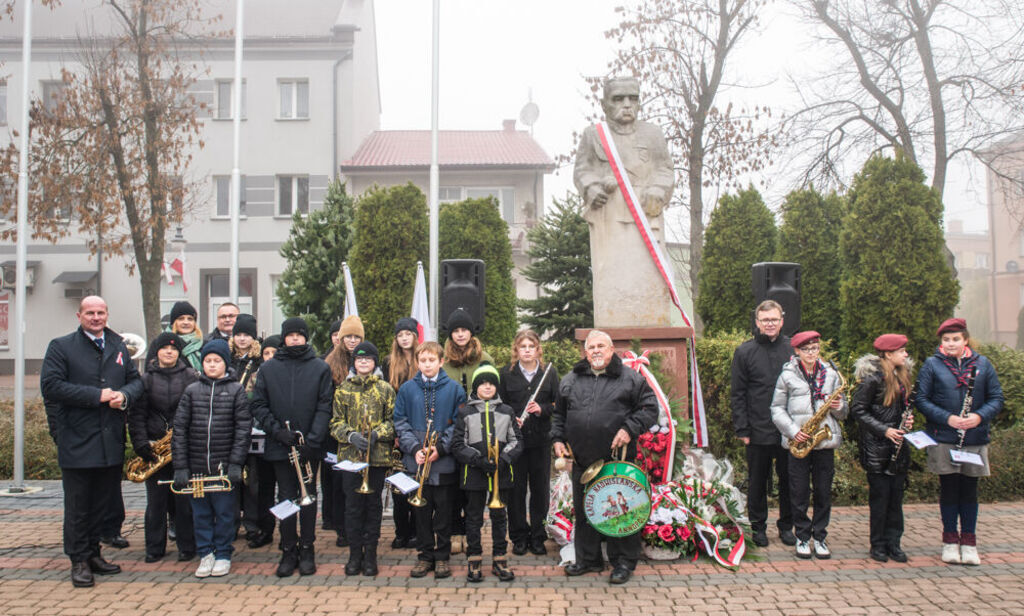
(895, 275)
(560, 253)
(741, 232)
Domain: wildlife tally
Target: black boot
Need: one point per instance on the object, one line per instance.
(354, 566)
(289, 560)
(307, 562)
(370, 560)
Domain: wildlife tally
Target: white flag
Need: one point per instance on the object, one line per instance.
(350, 294)
(421, 306)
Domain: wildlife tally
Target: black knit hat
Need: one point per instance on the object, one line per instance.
(459, 318)
(273, 342)
(181, 309)
(486, 373)
(366, 349)
(245, 324)
(167, 339)
(292, 325)
(335, 326)
(407, 324)
(217, 347)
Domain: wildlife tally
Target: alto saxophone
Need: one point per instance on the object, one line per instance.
(813, 426)
(139, 470)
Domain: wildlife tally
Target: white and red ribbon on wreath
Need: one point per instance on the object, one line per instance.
(705, 535)
(640, 363)
(700, 428)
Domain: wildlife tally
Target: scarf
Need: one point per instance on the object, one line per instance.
(193, 344)
(816, 379)
(961, 369)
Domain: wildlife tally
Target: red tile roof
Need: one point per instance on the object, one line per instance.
(408, 149)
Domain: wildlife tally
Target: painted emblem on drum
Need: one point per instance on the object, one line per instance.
(617, 505)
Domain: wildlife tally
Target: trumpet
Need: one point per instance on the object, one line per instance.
(199, 485)
(293, 456)
(492, 454)
(365, 423)
(423, 472)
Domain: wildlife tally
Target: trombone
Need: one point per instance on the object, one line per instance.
(199, 485)
(423, 472)
(365, 424)
(293, 457)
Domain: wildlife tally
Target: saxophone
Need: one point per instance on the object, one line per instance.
(813, 426)
(139, 470)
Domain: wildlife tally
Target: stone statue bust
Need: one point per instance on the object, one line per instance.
(628, 289)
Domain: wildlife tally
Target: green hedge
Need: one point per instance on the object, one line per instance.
(40, 452)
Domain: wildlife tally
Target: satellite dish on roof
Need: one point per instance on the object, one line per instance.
(529, 113)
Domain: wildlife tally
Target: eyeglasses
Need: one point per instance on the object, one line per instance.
(227, 316)
(809, 349)
(769, 321)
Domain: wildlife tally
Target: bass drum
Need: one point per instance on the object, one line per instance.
(617, 502)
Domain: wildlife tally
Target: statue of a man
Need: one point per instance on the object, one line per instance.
(629, 291)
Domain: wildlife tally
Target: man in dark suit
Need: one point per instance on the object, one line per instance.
(88, 380)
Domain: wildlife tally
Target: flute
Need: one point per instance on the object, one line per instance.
(524, 414)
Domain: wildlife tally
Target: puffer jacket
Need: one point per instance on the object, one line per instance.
(479, 422)
(791, 404)
(515, 391)
(153, 415)
(756, 365)
(875, 417)
(938, 397)
(211, 427)
(246, 366)
(592, 408)
(411, 422)
(370, 395)
(295, 386)
(463, 375)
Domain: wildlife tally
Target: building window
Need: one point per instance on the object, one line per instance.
(506, 198)
(53, 92)
(225, 103)
(981, 260)
(222, 184)
(448, 194)
(3, 102)
(277, 316)
(218, 290)
(292, 194)
(294, 97)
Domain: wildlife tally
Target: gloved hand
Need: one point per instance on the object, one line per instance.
(180, 479)
(373, 437)
(235, 474)
(308, 452)
(358, 441)
(286, 437)
(484, 463)
(145, 452)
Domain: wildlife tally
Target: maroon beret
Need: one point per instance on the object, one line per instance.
(952, 325)
(890, 342)
(801, 338)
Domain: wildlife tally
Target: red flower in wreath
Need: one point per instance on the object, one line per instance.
(683, 532)
(666, 534)
(649, 530)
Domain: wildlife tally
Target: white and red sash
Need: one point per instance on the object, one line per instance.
(700, 428)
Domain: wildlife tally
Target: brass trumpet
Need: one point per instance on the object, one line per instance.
(199, 485)
(293, 457)
(423, 472)
(492, 454)
(365, 423)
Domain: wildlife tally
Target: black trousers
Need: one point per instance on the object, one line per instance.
(258, 497)
(458, 509)
(363, 512)
(623, 551)
(885, 500)
(817, 468)
(87, 502)
(476, 502)
(305, 519)
(113, 518)
(759, 474)
(404, 515)
(433, 523)
(328, 504)
(158, 501)
(532, 474)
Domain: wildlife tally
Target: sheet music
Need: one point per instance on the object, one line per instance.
(350, 466)
(403, 482)
(966, 457)
(284, 510)
(919, 439)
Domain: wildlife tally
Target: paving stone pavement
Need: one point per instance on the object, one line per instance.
(34, 576)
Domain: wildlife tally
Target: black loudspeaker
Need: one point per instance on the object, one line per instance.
(462, 286)
(779, 282)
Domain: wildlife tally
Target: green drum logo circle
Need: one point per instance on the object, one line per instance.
(617, 503)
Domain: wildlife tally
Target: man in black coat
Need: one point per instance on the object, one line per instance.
(88, 380)
(293, 395)
(756, 365)
(601, 406)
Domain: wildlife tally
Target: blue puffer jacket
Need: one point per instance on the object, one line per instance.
(411, 422)
(938, 397)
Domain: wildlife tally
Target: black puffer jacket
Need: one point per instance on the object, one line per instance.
(515, 391)
(294, 386)
(874, 417)
(756, 365)
(211, 427)
(591, 409)
(478, 423)
(245, 368)
(153, 416)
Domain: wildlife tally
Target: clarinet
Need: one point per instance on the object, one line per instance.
(965, 409)
(891, 468)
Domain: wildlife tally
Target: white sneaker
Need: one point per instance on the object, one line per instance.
(821, 550)
(969, 555)
(205, 566)
(951, 553)
(221, 567)
(803, 549)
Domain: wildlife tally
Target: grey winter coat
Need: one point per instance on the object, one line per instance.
(791, 404)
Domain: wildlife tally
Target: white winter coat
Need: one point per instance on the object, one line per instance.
(791, 404)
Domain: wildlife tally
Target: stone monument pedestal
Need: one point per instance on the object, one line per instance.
(670, 342)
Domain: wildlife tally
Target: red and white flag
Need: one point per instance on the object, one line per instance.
(165, 269)
(421, 306)
(350, 293)
(178, 265)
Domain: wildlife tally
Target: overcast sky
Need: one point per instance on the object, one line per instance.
(495, 54)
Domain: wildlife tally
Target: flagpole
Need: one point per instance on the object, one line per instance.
(434, 173)
(236, 174)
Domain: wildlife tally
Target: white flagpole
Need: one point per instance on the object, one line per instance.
(350, 293)
(434, 173)
(236, 174)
